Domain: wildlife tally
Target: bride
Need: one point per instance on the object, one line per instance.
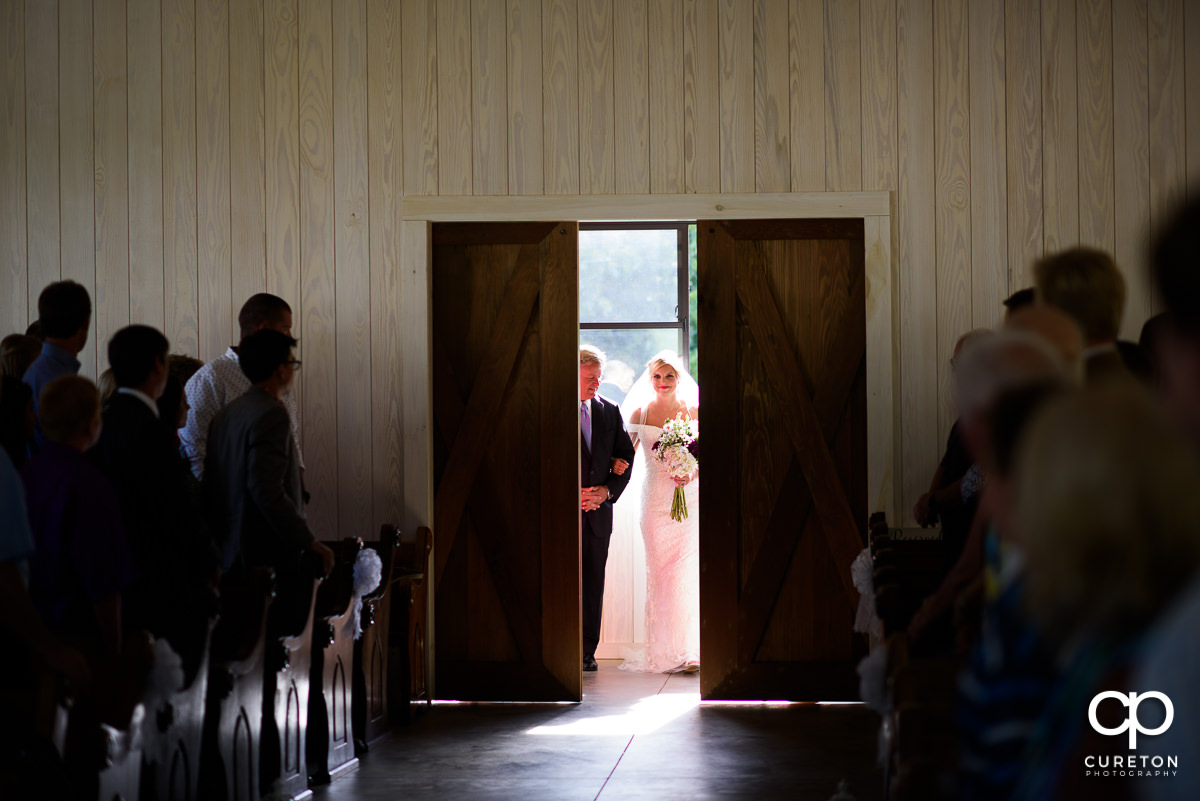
(663, 391)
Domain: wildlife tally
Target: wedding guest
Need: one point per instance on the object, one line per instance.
(138, 454)
(107, 384)
(17, 353)
(1010, 671)
(65, 312)
(221, 381)
(18, 420)
(1107, 515)
(81, 568)
(1171, 660)
(1086, 284)
(173, 405)
(1154, 331)
(945, 501)
(17, 613)
(80, 564)
(252, 471)
(1021, 299)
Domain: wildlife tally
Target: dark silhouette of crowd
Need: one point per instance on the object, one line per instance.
(110, 540)
(1069, 502)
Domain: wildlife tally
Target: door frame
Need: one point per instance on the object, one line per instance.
(418, 213)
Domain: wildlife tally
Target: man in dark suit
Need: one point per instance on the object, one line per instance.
(252, 469)
(602, 439)
(176, 563)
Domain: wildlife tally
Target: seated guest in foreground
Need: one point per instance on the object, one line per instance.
(252, 471)
(17, 614)
(65, 310)
(221, 381)
(29, 649)
(80, 564)
(1010, 672)
(1086, 284)
(1107, 515)
(138, 454)
(1171, 660)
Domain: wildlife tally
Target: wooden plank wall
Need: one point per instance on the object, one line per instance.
(266, 144)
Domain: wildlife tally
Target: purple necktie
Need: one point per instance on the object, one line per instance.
(585, 423)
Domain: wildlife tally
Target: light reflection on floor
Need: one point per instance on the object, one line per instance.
(645, 716)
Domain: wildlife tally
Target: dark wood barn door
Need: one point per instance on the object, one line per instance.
(506, 461)
(782, 351)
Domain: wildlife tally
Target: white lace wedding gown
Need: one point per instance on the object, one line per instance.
(672, 564)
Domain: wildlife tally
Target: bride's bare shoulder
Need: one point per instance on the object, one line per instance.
(636, 416)
(694, 412)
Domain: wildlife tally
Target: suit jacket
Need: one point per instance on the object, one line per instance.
(610, 441)
(252, 484)
(138, 455)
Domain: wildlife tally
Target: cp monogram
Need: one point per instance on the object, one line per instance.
(1131, 723)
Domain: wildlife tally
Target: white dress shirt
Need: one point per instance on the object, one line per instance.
(142, 396)
(212, 387)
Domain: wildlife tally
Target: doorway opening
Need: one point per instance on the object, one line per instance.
(637, 297)
(492, 298)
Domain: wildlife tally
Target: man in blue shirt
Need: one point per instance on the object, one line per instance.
(65, 310)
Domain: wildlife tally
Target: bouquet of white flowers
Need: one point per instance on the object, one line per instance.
(679, 450)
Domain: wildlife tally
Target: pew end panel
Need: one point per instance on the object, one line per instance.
(230, 757)
(330, 741)
(286, 689)
(370, 708)
(171, 756)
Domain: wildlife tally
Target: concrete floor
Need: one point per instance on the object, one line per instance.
(635, 736)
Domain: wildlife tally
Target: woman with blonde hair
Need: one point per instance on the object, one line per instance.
(662, 393)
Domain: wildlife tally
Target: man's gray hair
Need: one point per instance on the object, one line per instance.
(590, 354)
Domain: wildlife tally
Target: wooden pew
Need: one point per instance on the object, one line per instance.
(370, 705)
(171, 763)
(906, 572)
(406, 660)
(286, 688)
(921, 742)
(230, 755)
(330, 741)
(35, 706)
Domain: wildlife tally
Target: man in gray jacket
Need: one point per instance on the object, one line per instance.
(252, 468)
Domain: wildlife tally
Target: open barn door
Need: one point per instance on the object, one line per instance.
(506, 461)
(782, 351)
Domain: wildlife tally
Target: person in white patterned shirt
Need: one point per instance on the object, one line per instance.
(222, 381)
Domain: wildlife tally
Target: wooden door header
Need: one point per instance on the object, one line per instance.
(607, 208)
